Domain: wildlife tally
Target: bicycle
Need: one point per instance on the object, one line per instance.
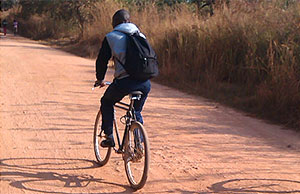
(134, 147)
(15, 31)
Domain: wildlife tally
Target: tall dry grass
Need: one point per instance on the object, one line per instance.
(246, 55)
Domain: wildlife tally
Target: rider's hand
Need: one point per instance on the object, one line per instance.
(99, 83)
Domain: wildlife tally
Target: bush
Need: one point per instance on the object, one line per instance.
(246, 55)
(253, 46)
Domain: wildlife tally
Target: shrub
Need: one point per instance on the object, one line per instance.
(246, 55)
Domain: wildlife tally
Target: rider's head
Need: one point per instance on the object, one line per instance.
(121, 16)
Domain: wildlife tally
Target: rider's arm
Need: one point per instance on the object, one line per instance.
(102, 60)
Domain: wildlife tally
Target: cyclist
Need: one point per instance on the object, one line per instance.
(15, 27)
(4, 24)
(114, 45)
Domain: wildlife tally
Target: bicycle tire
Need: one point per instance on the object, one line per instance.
(128, 161)
(102, 154)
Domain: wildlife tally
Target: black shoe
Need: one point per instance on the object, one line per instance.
(108, 143)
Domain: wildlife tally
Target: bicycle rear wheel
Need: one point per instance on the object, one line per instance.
(137, 155)
(102, 154)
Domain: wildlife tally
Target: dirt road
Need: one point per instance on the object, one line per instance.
(47, 112)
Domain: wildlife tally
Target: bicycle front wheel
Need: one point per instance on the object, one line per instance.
(102, 154)
(137, 155)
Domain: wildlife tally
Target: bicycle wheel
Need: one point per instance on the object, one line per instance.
(137, 155)
(102, 154)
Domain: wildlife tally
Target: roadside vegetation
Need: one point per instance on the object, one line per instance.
(243, 53)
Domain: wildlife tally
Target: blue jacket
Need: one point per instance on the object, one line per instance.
(114, 45)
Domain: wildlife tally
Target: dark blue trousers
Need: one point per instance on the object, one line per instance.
(115, 92)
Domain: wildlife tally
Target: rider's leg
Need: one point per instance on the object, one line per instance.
(139, 104)
(110, 97)
(128, 85)
(114, 93)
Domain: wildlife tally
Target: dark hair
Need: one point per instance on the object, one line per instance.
(121, 16)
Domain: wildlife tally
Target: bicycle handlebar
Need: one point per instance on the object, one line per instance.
(97, 85)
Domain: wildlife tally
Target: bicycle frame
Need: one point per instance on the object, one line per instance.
(129, 118)
(134, 145)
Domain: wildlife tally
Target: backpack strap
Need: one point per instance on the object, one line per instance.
(119, 61)
(127, 34)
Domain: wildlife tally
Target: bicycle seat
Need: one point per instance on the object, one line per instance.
(136, 95)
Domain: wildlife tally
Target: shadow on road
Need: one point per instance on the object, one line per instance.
(36, 174)
(255, 186)
(28, 47)
(48, 164)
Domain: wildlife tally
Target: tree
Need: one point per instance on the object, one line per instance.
(6, 4)
(78, 12)
(204, 3)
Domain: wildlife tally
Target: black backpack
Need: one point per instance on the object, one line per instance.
(141, 61)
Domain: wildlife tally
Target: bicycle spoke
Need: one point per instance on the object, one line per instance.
(102, 154)
(137, 161)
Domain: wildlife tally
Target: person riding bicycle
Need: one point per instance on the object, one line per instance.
(15, 27)
(4, 24)
(114, 46)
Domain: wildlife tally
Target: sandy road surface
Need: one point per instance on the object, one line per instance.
(47, 111)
